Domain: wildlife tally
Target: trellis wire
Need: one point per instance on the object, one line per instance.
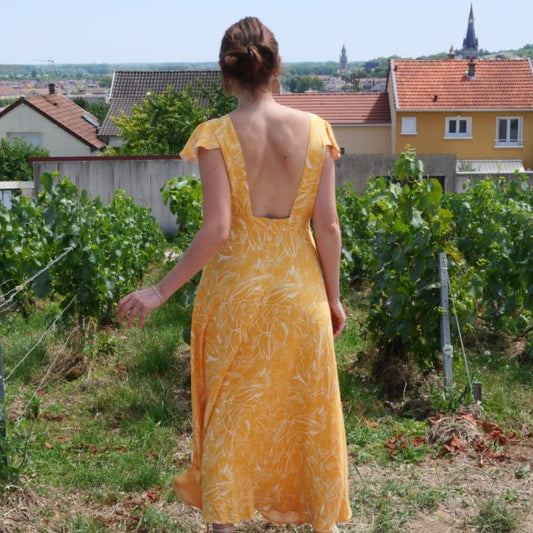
(446, 296)
(38, 388)
(463, 351)
(8, 297)
(40, 339)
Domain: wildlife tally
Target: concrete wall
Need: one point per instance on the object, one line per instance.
(23, 119)
(358, 168)
(140, 177)
(143, 177)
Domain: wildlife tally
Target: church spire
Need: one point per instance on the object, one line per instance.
(343, 59)
(470, 42)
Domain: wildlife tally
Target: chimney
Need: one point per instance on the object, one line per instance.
(51, 88)
(451, 53)
(471, 69)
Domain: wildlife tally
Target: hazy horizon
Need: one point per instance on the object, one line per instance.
(131, 31)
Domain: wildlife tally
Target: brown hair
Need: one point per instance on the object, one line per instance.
(249, 53)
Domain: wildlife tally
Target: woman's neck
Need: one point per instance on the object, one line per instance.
(248, 100)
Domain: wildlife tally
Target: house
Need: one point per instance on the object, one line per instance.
(479, 110)
(53, 122)
(129, 88)
(361, 121)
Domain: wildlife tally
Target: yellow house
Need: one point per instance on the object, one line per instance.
(360, 121)
(479, 110)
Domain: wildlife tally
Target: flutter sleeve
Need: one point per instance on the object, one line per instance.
(329, 140)
(204, 136)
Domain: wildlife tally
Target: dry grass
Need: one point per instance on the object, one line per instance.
(437, 495)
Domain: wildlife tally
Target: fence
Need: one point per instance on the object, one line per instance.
(8, 189)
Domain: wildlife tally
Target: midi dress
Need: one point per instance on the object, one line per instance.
(268, 429)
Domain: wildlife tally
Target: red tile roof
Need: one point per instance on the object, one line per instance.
(445, 85)
(341, 108)
(66, 114)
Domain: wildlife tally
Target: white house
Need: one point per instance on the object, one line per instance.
(53, 122)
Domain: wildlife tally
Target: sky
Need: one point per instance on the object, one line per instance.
(177, 31)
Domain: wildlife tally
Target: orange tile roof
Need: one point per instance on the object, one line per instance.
(66, 114)
(444, 84)
(341, 108)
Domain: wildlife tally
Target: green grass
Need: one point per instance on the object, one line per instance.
(497, 515)
(393, 503)
(115, 430)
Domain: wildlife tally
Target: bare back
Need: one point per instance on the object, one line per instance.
(274, 141)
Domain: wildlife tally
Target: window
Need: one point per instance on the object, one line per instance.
(408, 125)
(30, 137)
(509, 131)
(457, 127)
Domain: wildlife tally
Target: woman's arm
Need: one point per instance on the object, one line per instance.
(212, 235)
(328, 240)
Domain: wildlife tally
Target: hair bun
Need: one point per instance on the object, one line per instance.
(249, 53)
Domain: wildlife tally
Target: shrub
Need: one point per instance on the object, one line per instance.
(111, 246)
(14, 159)
(492, 226)
(412, 227)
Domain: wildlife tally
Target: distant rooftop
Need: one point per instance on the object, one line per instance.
(462, 84)
(130, 87)
(341, 108)
(65, 114)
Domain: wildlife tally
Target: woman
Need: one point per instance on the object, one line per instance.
(268, 430)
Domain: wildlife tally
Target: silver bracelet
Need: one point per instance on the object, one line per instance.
(158, 293)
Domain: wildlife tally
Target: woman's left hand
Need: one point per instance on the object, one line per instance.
(138, 304)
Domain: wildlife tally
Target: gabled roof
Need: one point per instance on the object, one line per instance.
(341, 108)
(130, 87)
(65, 114)
(432, 85)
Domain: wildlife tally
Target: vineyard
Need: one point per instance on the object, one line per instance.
(97, 411)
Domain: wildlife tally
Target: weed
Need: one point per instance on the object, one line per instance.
(157, 522)
(496, 515)
(85, 524)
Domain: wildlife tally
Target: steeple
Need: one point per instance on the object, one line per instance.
(343, 59)
(470, 42)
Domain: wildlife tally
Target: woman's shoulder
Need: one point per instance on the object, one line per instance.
(213, 124)
(304, 116)
(207, 134)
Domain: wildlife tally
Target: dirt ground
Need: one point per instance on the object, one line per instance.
(463, 482)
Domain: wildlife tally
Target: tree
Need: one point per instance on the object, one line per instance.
(14, 159)
(97, 109)
(162, 123)
(105, 80)
(305, 83)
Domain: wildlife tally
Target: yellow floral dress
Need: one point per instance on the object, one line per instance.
(268, 429)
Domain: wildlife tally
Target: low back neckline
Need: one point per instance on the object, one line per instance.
(294, 206)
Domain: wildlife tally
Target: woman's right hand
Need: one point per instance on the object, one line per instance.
(338, 317)
(138, 304)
